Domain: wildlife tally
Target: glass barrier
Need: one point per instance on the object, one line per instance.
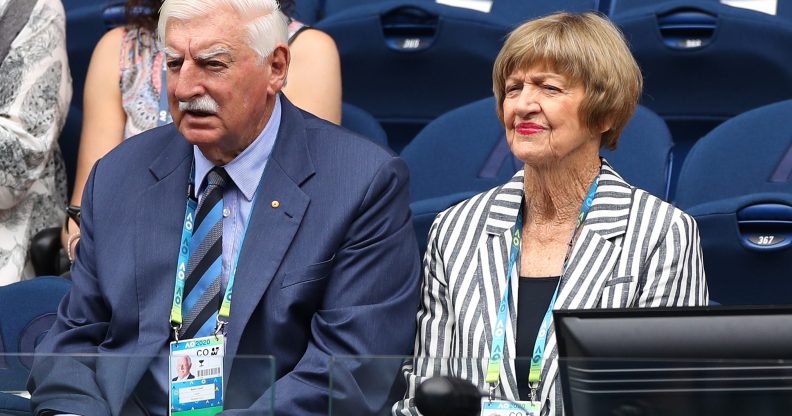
(201, 384)
(362, 386)
(585, 387)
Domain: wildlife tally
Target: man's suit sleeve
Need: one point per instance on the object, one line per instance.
(58, 381)
(368, 309)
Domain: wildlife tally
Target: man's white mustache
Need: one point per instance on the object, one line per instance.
(202, 104)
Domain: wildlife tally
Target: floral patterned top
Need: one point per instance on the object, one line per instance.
(35, 91)
(141, 81)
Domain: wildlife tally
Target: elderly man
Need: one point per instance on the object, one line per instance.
(306, 224)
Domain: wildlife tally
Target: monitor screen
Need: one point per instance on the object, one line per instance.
(682, 361)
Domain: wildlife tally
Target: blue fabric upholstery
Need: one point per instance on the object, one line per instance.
(617, 7)
(425, 211)
(361, 122)
(736, 183)
(27, 310)
(13, 405)
(407, 62)
(307, 11)
(511, 12)
(465, 150)
(704, 62)
(84, 27)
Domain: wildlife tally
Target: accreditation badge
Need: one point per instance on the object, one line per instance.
(508, 408)
(196, 376)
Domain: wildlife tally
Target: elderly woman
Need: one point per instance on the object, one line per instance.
(566, 232)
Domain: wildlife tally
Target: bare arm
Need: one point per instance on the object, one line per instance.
(314, 82)
(103, 114)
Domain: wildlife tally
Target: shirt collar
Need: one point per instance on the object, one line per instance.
(245, 169)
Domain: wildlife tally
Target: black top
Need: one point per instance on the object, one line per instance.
(533, 299)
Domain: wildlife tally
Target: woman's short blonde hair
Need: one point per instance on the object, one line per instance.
(584, 48)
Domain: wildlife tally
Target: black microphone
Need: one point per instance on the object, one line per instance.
(448, 396)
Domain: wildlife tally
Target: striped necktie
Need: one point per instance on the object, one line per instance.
(204, 269)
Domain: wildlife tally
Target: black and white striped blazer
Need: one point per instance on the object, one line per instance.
(634, 250)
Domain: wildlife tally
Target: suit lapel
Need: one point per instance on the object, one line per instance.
(272, 226)
(160, 214)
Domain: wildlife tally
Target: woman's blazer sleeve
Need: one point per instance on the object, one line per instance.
(674, 272)
(435, 323)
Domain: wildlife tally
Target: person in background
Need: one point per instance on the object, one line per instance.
(247, 225)
(566, 232)
(123, 88)
(35, 91)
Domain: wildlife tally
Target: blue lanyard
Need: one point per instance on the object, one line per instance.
(163, 115)
(184, 257)
(499, 332)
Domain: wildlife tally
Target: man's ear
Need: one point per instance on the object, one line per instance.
(279, 67)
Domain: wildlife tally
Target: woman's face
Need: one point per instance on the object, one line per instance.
(542, 120)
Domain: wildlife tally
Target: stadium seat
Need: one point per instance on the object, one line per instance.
(307, 11)
(27, 311)
(704, 62)
(84, 27)
(736, 183)
(361, 122)
(465, 150)
(617, 7)
(408, 62)
(511, 12)
(425, 211)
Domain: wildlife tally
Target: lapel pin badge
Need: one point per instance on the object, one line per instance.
(275, 204)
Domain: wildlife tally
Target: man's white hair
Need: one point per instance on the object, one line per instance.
(266, 24)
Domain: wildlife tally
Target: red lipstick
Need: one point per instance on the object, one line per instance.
(527, 129)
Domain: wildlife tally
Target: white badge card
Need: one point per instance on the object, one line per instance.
(196, 376)
(506, 408)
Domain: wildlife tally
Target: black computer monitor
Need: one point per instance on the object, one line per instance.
(680, 362)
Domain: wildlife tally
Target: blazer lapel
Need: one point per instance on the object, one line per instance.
(160, 214)
(272, 226)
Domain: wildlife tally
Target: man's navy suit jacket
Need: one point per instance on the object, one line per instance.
(332, 269)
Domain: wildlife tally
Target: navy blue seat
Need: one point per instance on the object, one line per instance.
(408, 62)
(27, 311)
(736, 183)
(84, 27)
(511, 12)
(464, 152)
(361, 122)
(617, 7)
(704, 62)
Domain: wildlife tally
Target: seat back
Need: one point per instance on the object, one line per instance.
(617, 7)
(704, 62)
(361, 122)
(407, 62)
(465, 150)
(512, 12)
(27, 311)
(83, 29)
(736, 183)
(515, 12)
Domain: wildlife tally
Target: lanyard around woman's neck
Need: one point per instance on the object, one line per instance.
(499, 332)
